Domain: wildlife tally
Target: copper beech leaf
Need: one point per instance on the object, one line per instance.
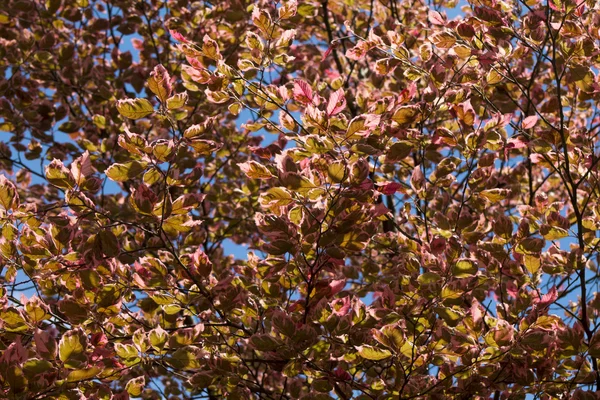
(135, 108)
(71, 349)
(8, 194)
(159, 83)
(373, 353)
(124, 172)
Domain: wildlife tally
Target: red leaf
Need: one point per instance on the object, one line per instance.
(438, 245)
(530, 122)
(389, 187)
(337, 102)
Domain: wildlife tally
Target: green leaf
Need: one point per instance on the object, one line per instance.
(337, 171)
(123, 172)
(126, 351)
(531, 246)
(204, 147)
(406, 115)
(135, 386)
(34, 367)
(451, 317)
(58, 175)
(71, 349)
(276, 196)
(83, 374)
(373, 353)
(553, 232)
(135, 108)
(254, 170)
(464, 268)
(177, 101)
(185, 358)
(428, 278)
(158, 337)
(494, 195)
(532, 263)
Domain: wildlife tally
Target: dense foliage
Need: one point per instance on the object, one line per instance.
(418, 194)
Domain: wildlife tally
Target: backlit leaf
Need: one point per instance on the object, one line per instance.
(373, 353)
(135, 108)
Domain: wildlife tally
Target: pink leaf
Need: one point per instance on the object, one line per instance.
(476, 313)
(514, 143)
(178, 36)
(336, 286)
(337, 102)
(303, 92)
(530, 122)
(436, 18)
(548, 298)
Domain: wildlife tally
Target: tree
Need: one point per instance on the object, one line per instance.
(419, 196)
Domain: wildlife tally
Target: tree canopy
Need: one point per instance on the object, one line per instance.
(415, 182)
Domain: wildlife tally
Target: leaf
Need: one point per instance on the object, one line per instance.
(443, 40)
(204, 147)
(177, 101)
(135, 108)
(71, 349)
(185, 358)
(450, 316)
(9, 197)
(34, 367)
(337, 102)
(530, 122)
(553, 232)
(465, 268)
(82, 168)
(436, 18)
(373, 353)
(302, 92)
(495, 195)
(159, 83)
(337, 171)
(124, 172)
(264, 342)
(126, 351)
(276, 196)
(398, 151)
(254, 170)
(532, 263)
(530, 246)
(406, 115)
(158, 337)
(210, 48)
(288, 9)
(68, 127)
(178, 36)
(428, 278)
(58, 175)
(135, 386)
(83, 374)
